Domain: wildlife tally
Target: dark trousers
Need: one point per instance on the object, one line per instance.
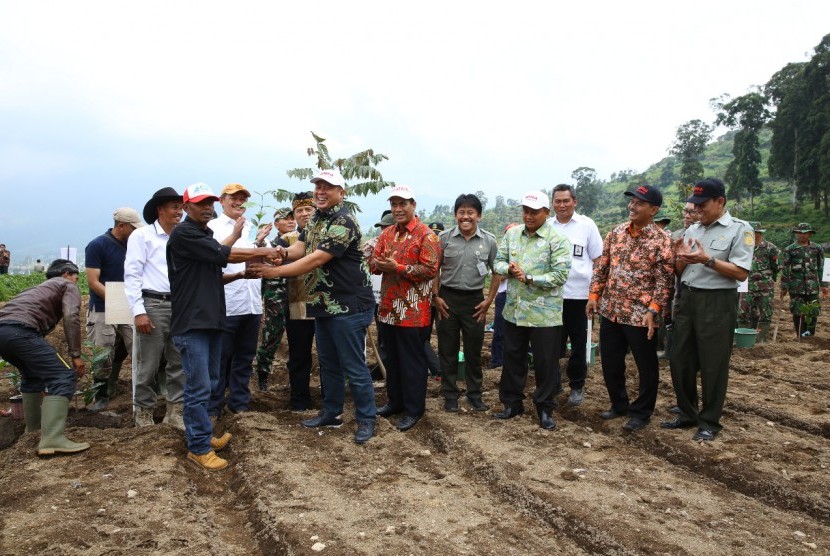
(704, 328)
(239, 341)
(461, 324)
(614, 340)
(300, 339)
(496, 347)
(544, 345)
(575, 327)
(406, 373)
(41, 368)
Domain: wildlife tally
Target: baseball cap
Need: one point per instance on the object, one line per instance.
(402, 191)
(232, 188)
(330, 176)
(198, 192)
(127, 215)
(436, 226)
(648, 194)
(535, 200)
(709, 188)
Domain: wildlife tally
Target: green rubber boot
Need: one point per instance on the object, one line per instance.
(764, 332)
(53, 423)
(31, 411)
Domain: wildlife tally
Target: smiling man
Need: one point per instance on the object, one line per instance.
(536, 259)
(631, 285)
(468, 254)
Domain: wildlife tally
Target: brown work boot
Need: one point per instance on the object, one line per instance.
(209, 461)
(174, 416)
(143, 417)
(220, 443)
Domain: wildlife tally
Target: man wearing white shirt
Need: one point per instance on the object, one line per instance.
(148, 295)
(243, 305)
(586, 244)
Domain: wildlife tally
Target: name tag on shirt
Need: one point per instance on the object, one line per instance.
(578, 250)
(482, 268)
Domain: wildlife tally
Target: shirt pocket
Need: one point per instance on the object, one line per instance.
(719, 244)
(452, 253)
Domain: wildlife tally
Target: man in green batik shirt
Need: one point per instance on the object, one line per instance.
(802, 266)
(755, 309)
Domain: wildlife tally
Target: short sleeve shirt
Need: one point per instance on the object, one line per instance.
(342, 285)
(466, 262)
(726, 239)
(106, 254)
(586, 245)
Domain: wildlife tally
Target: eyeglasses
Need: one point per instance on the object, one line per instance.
(690, 211)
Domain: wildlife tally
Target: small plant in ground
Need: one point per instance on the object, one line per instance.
(810, 313)
(94, 357)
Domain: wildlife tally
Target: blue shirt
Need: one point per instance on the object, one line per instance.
(106, 254)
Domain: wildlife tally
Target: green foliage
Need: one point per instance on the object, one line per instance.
(12, 374)
(94, 358)
(689, 145)
(809, 311)
(13, 284)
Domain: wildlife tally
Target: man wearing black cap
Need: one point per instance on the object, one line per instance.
(630, 287)
(148, 294)
(714, 256)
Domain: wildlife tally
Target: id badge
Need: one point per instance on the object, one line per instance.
(482, 268)
(578, 249)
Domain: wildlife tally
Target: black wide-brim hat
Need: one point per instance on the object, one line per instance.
(160, 197)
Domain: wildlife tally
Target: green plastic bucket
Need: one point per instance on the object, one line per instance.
(593, 353)
(745, 337)
(462, 366)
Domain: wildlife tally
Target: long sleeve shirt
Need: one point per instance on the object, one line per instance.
(546, 255)
(145, 266)
(406, 293)
(802, 268)
(635, 273)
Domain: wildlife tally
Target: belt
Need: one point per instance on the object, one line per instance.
(704, 290)
(156, 295)
(462, 292)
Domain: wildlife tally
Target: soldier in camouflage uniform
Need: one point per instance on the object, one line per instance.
(274, 305)
(802, 265)
(755, 309)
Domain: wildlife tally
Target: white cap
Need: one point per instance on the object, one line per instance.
(535, 200)
(330, 176)
(402, 191)
(198, 192)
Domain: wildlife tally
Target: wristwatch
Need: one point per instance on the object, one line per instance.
(710, 263)
(652, 311)
(528, 279)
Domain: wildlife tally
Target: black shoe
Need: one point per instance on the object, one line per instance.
(323, 420)
(545, 419)
(675, 409)
(704, 435)
(477, 404)
(509, 412)
(407, 422)
(613, 414)
(365, 431)
(677, 423)
(387, 411)
(576, 397)
(262, 381)
(635, 424)
(451, 405)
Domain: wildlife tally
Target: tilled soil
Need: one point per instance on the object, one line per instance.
(455, 484)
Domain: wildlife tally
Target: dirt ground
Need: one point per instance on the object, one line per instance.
(455, 484)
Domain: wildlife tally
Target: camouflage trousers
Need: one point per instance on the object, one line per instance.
(274, 309)
(755, 308)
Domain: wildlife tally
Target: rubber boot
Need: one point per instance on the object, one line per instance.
(53, 424)
(31, 411)
(763, 333)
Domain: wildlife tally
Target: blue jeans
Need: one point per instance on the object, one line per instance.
(239, 342)
(341, 345)
(200, 352)
(41, 367)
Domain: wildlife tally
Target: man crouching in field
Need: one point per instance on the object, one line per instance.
(24, 321)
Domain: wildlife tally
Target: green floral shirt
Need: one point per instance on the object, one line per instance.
(546, 255)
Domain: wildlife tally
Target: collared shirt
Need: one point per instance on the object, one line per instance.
(107, 254)
(406, 294)
(586, 244)
(465, 262)
(634, 273)
(243, 296)
(802, 269)
(765, 268)
(145, 267)
(297, 291)
(195, 261)
(341, 286)
(546, 255)
(726, 239)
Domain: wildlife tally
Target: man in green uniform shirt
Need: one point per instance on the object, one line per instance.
(755, 309)
(802, 264)
(713, 257)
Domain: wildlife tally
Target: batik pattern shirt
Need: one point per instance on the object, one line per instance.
(546, 256)
(802, 268)
(764, 271)
(341, 286)
(635, 273)
(406, 294)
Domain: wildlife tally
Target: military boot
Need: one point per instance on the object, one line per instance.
(31, 411)
(53, 424)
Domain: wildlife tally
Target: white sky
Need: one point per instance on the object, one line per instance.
(102, 103)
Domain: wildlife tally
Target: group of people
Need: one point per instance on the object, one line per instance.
(198, 288)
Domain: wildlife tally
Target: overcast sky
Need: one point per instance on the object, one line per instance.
(102, 103)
